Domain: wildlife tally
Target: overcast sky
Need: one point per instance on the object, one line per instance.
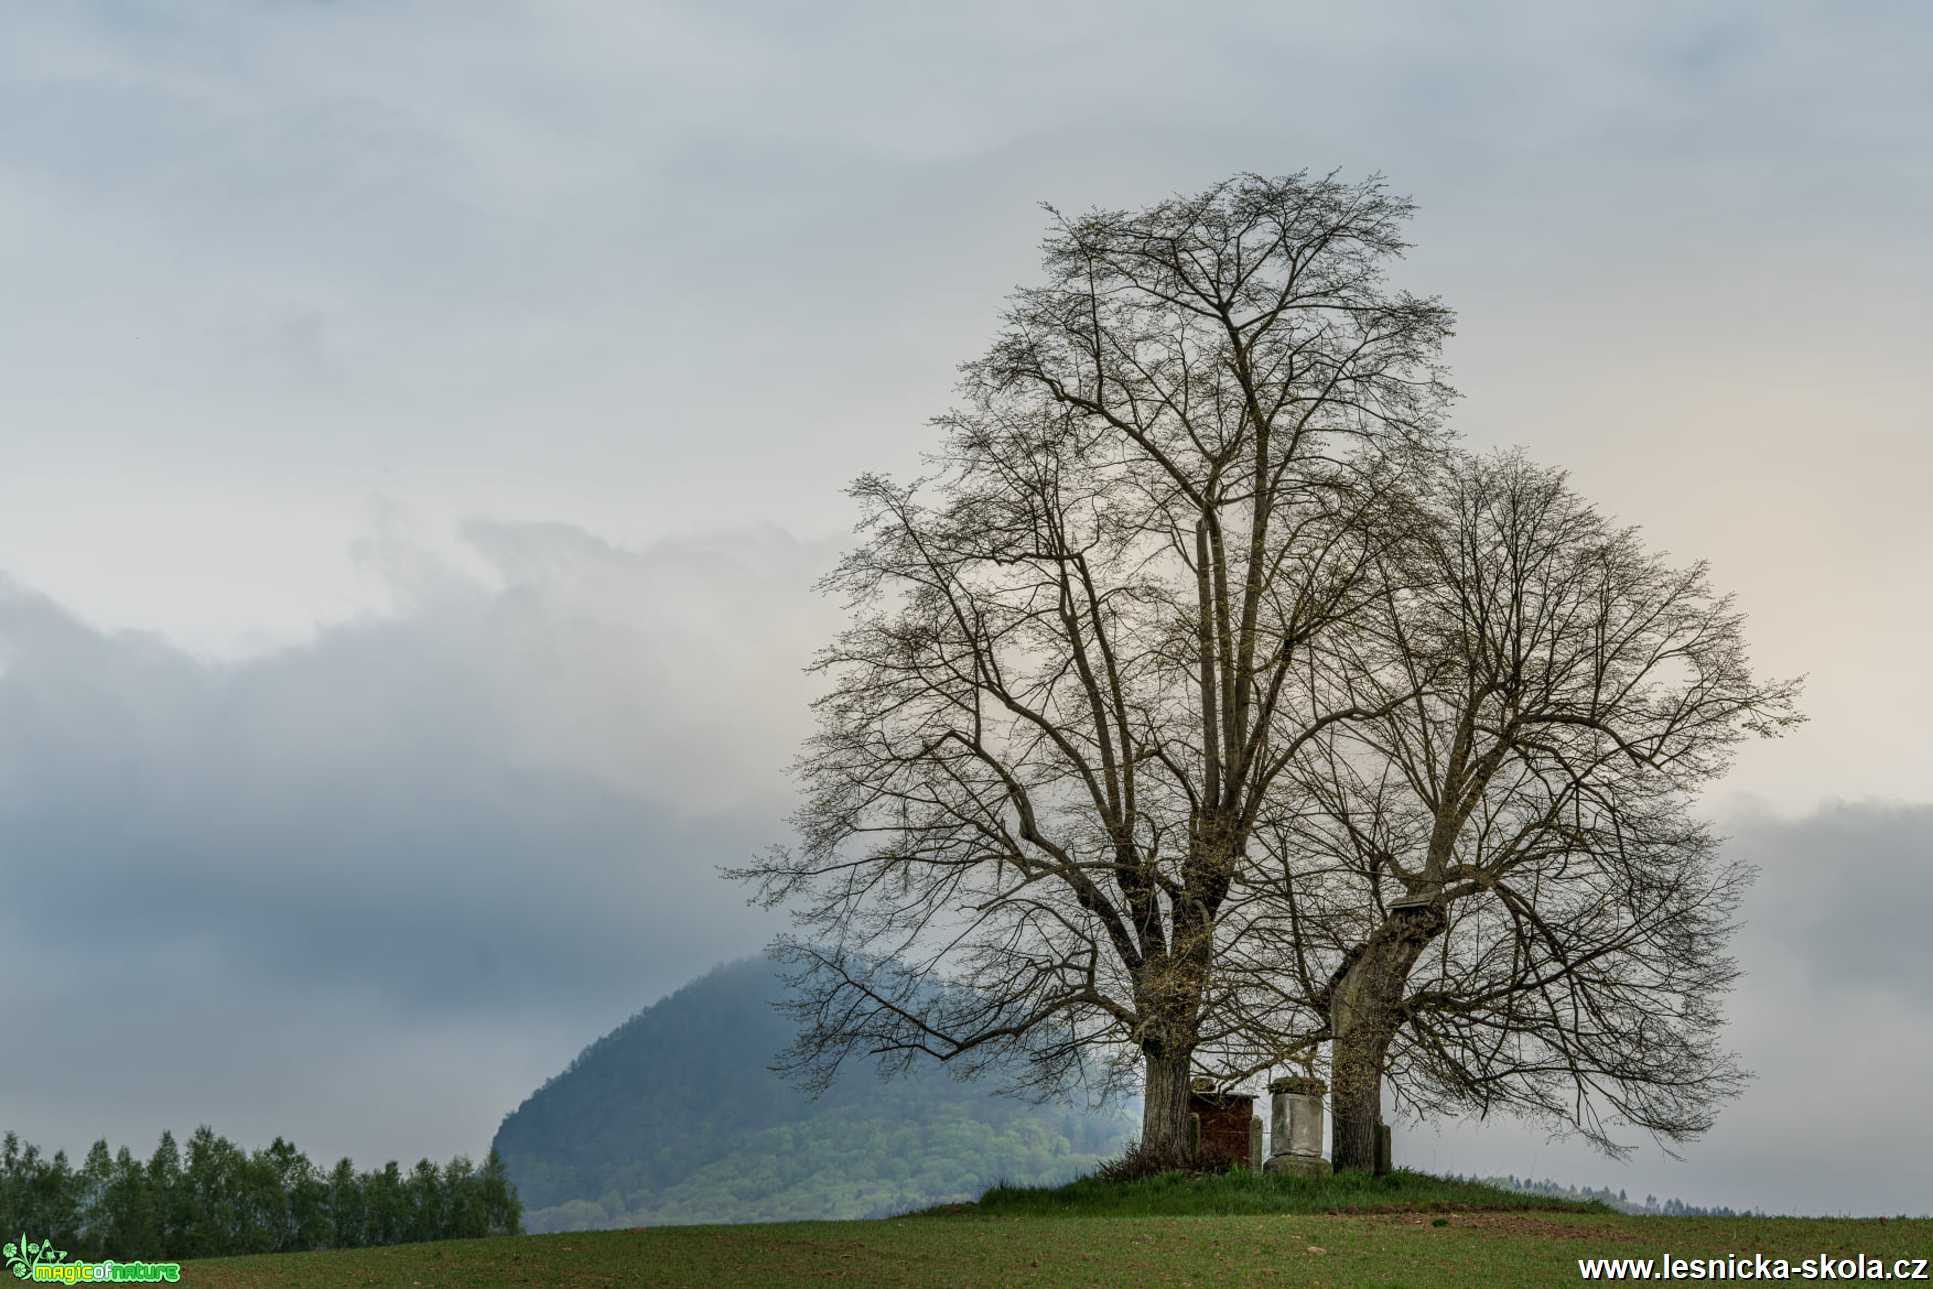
(424, 422)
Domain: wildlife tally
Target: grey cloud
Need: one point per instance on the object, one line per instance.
(662, 268)
(1833, 1015)
(1850, 899)
(496, 812)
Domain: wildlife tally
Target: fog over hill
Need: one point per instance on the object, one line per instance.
(675, 1117)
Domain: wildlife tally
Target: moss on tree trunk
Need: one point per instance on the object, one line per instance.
(1364, 1015)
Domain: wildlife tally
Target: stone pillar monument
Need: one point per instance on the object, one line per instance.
(1295, 1126)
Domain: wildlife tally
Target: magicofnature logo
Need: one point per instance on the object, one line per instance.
(42, 1262)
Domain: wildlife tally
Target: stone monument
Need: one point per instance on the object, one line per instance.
(1295, 1126)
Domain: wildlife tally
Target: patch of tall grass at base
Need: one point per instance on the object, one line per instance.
(1238, 1192)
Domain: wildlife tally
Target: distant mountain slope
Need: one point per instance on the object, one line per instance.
(674, 1117)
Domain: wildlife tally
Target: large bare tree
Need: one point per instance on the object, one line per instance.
(1069, 688)
(1494, 891)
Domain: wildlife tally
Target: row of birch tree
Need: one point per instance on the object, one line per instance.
(213, 1199)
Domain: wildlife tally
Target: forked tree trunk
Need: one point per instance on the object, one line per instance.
(1164, 1105)
(1364, 1017)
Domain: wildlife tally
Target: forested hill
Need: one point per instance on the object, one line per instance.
(675, 1117)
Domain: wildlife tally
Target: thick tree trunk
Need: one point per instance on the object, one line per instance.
(1364, 1017)
(1356, 1098)
(1164, 1105)
(1168, 998)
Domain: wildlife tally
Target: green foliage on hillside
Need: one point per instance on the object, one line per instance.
(675, 1117)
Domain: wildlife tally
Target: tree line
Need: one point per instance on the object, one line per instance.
(1650, 1205)
(214, 1199)
(1205, 709)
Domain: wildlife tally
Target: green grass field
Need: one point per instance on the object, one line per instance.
(1405, 1230)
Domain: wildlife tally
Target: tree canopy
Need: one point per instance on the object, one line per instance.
(1494, 890)
(1202, 683)
(1067, 690)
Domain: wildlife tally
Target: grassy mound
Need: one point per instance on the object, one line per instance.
(1234, 1193)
